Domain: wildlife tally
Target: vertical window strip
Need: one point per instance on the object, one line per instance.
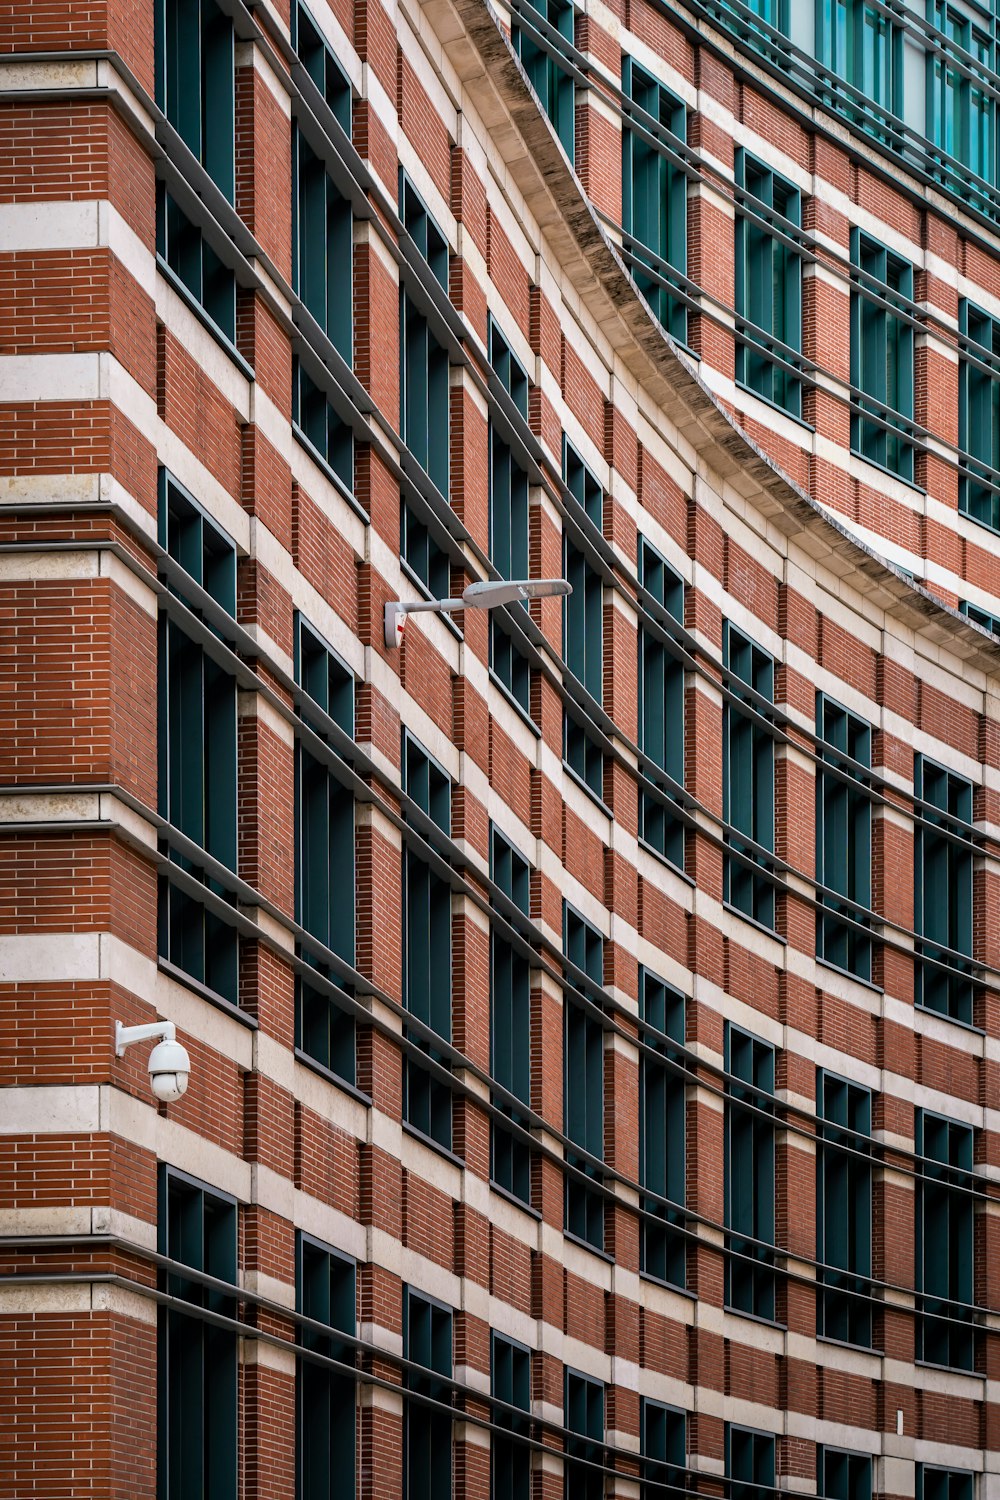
(322, 246)
(584, 1419)
(510, 1018)
(662, 1133)
(979, 415)
(583, 624)
(316, 421)
(551, 80)
(427, 1433)
(844, 1210)
(661, 707)
(194, 266)
(749, 1173)
(318, 58)
(654, 196)
(842, 1475)
(510, 1383)
(768, 286)
(326, 1409)
(943, 891)
(748, 779)
(195, 82)
(945, 1244)
(663, 1447)
(749, 1463)
(424, 374)
(843, 838)
(881, 357)
(583, 1082)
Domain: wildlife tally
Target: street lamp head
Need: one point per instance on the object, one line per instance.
(489, 595)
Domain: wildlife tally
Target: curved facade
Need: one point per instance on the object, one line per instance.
(592, 1007)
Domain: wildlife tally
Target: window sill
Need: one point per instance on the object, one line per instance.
(760, 926)
(825, 1338)
(509, 1197)
(588, 789)
(926, 1364)
(977, 521)
(884, 469)
(220, 1002)
(330, 473)
(518, 708)
(668, 1286)
(208, 323)
(942, 1015)
(575, 1239)
(425, 593)
(775, 406)
(667, 863)
(433, 1145)
(869, 984)
(740, 1312)
(315, 1066)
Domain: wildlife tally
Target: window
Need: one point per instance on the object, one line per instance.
(427, 950)
(322, 239)
(980, 617)
(661, 1130)
(944, 1484)
(510, 1023)
(583, 1083)
(326, 1410)
(583, 624)
(423, 363)
(197, 1422)
(183, 249)
(661, 707)
(324, 853)
(654, 193)
(663, 1445)
(423, 554)
(843, 1476)
(943, 890)
(509, 665)
(427, 1341)
(844, 1210)
(510, 1383)
(749, 1463)
(843, 838)
(861, 43)
(195, 85)
(315, 419)
(551, 81)
(979, 414)
(881, 357)
(318, 59)
(959, 103)
(748, 778)
(584, 1419)
(197, 749)
(749, 1170)
(768, 285)
(944, 1241)
(508, 480)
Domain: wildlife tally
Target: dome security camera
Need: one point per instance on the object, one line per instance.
(169, 1064)
(169, 1070)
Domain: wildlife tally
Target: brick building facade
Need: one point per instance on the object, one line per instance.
(592, 1007)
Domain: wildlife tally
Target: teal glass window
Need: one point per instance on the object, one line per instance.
(427, 951)
(654, 193)
(319, 61)
(979, 414)
(748, 777)
(423, 554)
(316, 420)
(195, 82)
(583, 1083)
(550, 79)
(324, 853)
(661, 707)
(768, 285)
(585, 1423)
(427, 1341)
(943, 890)
(509, 665)
(842, 1475)
(197, 753)
(510, 1383)
(661, 1130)
(863, 46)
(881, 357)
(194, 266)
(933, 1483)
(749, 1173)
(510, 1023)
(844, 1210)
(843, 838)
(326, 1410)
(960, 106)
(423, 363)
(749, 1463)
(981, 617)
(196, 1389)
(322, 246)
(663, 1446)
(583, 625)
(508, 496)
(945, 1244)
